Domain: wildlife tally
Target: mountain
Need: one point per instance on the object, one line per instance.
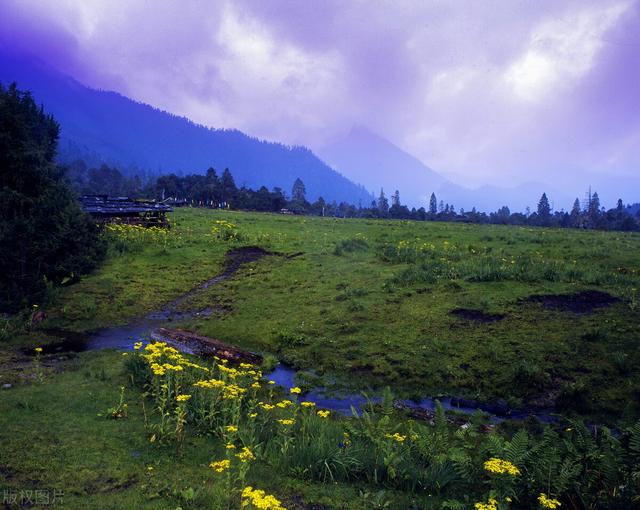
(106, 127)
(376, 163)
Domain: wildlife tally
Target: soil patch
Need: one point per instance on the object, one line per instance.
(477, 315)
(233, 260)
(585, 301)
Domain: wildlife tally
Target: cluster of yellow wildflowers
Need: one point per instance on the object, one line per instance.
(219, 466)
(287, 421)
(183, 398)
(137, 233)
(245, 455)
(323, 414)
(225, 230)
(492, 504)
(501, 467)
(396, 437)
(546, 502)
(259, 500)
(158, 355)
(284, 404)
(210, 384)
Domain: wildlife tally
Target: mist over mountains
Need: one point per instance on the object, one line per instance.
(106, 127)
(376, 163)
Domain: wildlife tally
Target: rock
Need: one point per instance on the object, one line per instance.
(6, 386)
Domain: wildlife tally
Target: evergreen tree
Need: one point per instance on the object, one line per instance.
(575, 211)
(433, 204)
(395, 199)
(576, 214)
(594, 206)
(228, 186)
(383, 203)
(544, 209)
(298, 192)
(44, 235)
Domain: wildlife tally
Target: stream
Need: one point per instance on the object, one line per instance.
(123, 338)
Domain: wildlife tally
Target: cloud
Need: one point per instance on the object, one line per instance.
(562, 50)
(489, 90)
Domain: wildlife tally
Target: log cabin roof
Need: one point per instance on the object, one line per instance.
(103, 205)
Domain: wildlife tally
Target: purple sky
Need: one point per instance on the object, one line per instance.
(499, 92)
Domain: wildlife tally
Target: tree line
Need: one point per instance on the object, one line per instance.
(221, 191)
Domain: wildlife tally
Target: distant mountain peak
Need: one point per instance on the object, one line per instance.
(374, 161)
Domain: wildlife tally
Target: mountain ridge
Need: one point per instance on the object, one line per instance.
(110, 128)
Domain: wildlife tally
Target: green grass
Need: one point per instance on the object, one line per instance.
(373, 298)
(364, 303)
(56, 436)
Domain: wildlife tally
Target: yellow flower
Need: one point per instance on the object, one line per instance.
(260, 500)
(220, 465)
(307, 404)
(272, 382)
(38, 349)
(492, 504)
(501, 467)
(284, 404)
(396, 437)
(230, 446)
(323, 414)
(255, 385)
(295, 390)
(546, 502)
(183, 398)
(232, 428)
(286, 422)
(253, 415)
(245, 455)
(266, 407)
(137, 346)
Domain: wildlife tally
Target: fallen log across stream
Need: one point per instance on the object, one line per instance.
(205, 346)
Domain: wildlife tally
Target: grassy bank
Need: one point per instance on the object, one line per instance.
(375, 298)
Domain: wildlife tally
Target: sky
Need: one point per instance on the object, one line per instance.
(482, 91)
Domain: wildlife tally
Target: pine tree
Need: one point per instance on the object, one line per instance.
(544, 209)
(44, 235)
(433, 204)
(575, 211)
(594, 206)
(228, 186)
(383, 203)
(298, 192)
(395, 199)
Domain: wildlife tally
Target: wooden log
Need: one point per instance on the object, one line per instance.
(205, 346)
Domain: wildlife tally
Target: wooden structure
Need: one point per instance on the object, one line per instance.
(105, 209)
(205, 346)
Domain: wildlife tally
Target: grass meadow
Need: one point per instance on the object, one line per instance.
(529, 318)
